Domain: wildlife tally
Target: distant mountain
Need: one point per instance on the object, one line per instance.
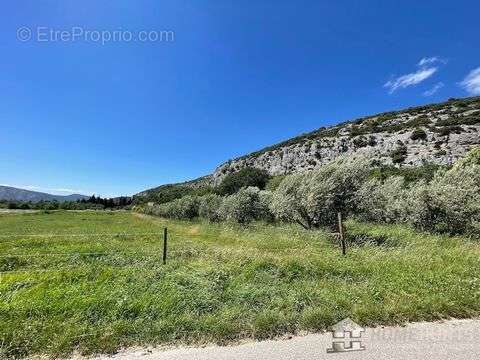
(14, 194)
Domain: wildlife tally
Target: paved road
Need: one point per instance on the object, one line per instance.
(451, 340)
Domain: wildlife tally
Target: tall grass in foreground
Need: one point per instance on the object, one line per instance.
(221, 283)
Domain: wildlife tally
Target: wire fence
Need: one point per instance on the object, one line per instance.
(10, 260)
(152, 253)
(78, 235)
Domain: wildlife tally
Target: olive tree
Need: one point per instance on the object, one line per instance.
(209, 207)
(449, 203)
(383, 201)
(313, 199)
(246, 205)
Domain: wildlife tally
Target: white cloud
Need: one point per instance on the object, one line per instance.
(434, 89)
(426, 70)
(431, 60)
(410, 79)
(472, 82)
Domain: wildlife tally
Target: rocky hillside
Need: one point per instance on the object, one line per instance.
(435, 134)
(438, 134)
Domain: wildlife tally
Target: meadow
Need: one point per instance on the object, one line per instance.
(93, 281)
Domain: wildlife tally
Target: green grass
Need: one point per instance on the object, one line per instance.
(222, 282)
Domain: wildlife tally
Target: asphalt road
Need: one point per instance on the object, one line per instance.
(450, 340)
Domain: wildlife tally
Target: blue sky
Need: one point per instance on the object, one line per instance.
(117, 117)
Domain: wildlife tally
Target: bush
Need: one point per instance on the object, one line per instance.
(399, 155)
(247, 205)
(447, 130)
(471, 158)
(274, 182)
(418, 134)
(12, 205)
(186, 207)
(410, 174)
(313, 199)
(383, 201)
(244, 178)
(265, 206)
(209, 207)
(450, 203)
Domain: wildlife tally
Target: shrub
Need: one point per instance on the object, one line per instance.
(399, 155)
(418, 134)
(184, 208)
(360, 142)
(471, 158)
(383, 201)
(313, 199)
(274, 182)
(244, 178)
(450, 203)
(410, 174)
(209, 207)
(247, 205)
(265, 205)
(419, 121)
(447, 130)
(12, 205)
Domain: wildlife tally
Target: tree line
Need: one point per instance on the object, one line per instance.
(92, 203)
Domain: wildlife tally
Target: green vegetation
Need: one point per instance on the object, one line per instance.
(222, 282)
(313, 199)
(418, 134)
(443, 118)
(448, 203)
(410, 174)
(431, 198)
(93, 203)
(247, 176)
(473, 119)
(166, 193)
(274, 182)
(447, 130)
(472, 158)
(379, 123)
(399, 154)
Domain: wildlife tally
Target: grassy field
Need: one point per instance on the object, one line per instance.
(83, 282)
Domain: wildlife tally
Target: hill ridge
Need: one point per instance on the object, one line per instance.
(10, 193)
(438, 133)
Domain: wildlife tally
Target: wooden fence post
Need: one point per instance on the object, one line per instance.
(341, 233)
(165, 234)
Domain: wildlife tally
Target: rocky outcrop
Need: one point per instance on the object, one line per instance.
(439, 134)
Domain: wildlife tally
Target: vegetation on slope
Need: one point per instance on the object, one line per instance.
(443, 119)
(453, 108)
(431, 198)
